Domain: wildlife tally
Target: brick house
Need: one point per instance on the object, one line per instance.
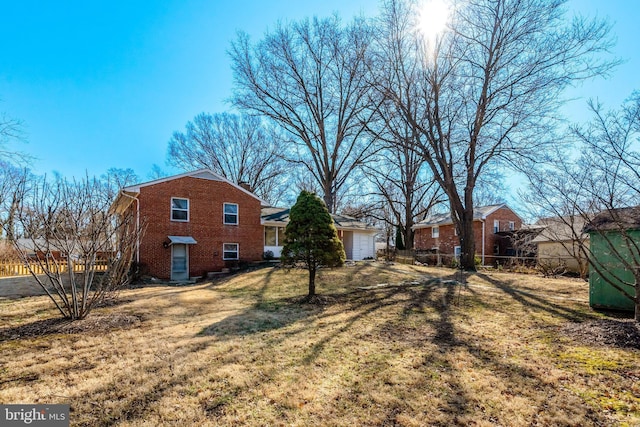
(492, 227)
(199, 222)
(195, 222)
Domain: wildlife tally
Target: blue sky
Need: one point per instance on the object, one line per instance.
(105, 84)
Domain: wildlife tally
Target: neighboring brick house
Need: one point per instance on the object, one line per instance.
(196, 222)
(491, 226)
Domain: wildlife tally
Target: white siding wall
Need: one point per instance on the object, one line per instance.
(363, 246)
(357, 245)
(277, 250)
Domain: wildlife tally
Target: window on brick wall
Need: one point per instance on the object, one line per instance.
(512, 225)
(496, 225)
(230, 251)
(179, 209)
(231, 213)
(435, 232)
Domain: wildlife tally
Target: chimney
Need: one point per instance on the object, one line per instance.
(246, 186)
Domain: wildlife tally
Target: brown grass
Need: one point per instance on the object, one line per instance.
(244, 351)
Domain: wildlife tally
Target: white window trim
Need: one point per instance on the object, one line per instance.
(237, 252)
(435, 231)
(265, 235)
(224, 214)
(455, 250)
(512, 225)
(496, 225)
(181, 210)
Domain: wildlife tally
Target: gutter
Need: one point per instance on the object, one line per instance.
(483, 222)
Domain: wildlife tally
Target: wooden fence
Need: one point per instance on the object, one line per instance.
(21, 269)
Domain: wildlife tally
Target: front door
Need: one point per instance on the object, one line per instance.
(179, 262)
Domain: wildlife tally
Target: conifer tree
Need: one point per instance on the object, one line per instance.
(311, 238)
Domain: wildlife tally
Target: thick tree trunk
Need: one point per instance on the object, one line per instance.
(312, 282)
(328, 200)
(408, 232)
(467, 245)
(328, 196)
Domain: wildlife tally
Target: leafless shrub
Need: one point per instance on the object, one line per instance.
(83, 251)
(552, 269)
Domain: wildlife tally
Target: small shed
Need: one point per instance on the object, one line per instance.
(614, 241)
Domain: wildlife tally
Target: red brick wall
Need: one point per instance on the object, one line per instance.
(503, 215)
(447, 240)
(206, 199)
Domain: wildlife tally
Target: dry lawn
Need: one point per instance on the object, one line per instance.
(509, 350)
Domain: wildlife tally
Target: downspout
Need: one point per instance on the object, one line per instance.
(137, 225)
(483, 222)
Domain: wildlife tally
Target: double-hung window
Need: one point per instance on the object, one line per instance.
(273, 236)
(230, 251)
(435, 232)
(179, 209)
(231, 214)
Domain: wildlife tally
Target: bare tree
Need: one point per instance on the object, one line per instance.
(10, 130)
(601, 188)
(12, 178)
(157, 172)
(11, 160)
(485, 93)
(115, 179)
(310, 77)
(80, 253)
(401, 182)
(242, 148)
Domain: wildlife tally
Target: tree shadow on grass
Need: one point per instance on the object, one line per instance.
(435, 303)
(462, 406)
(535, 301)
(275, 314)
(94, 323)
(262, 316)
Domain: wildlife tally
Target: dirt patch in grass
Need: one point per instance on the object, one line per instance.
(621, 333)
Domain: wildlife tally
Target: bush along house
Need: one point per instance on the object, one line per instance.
(199, 222)
(493, 228)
